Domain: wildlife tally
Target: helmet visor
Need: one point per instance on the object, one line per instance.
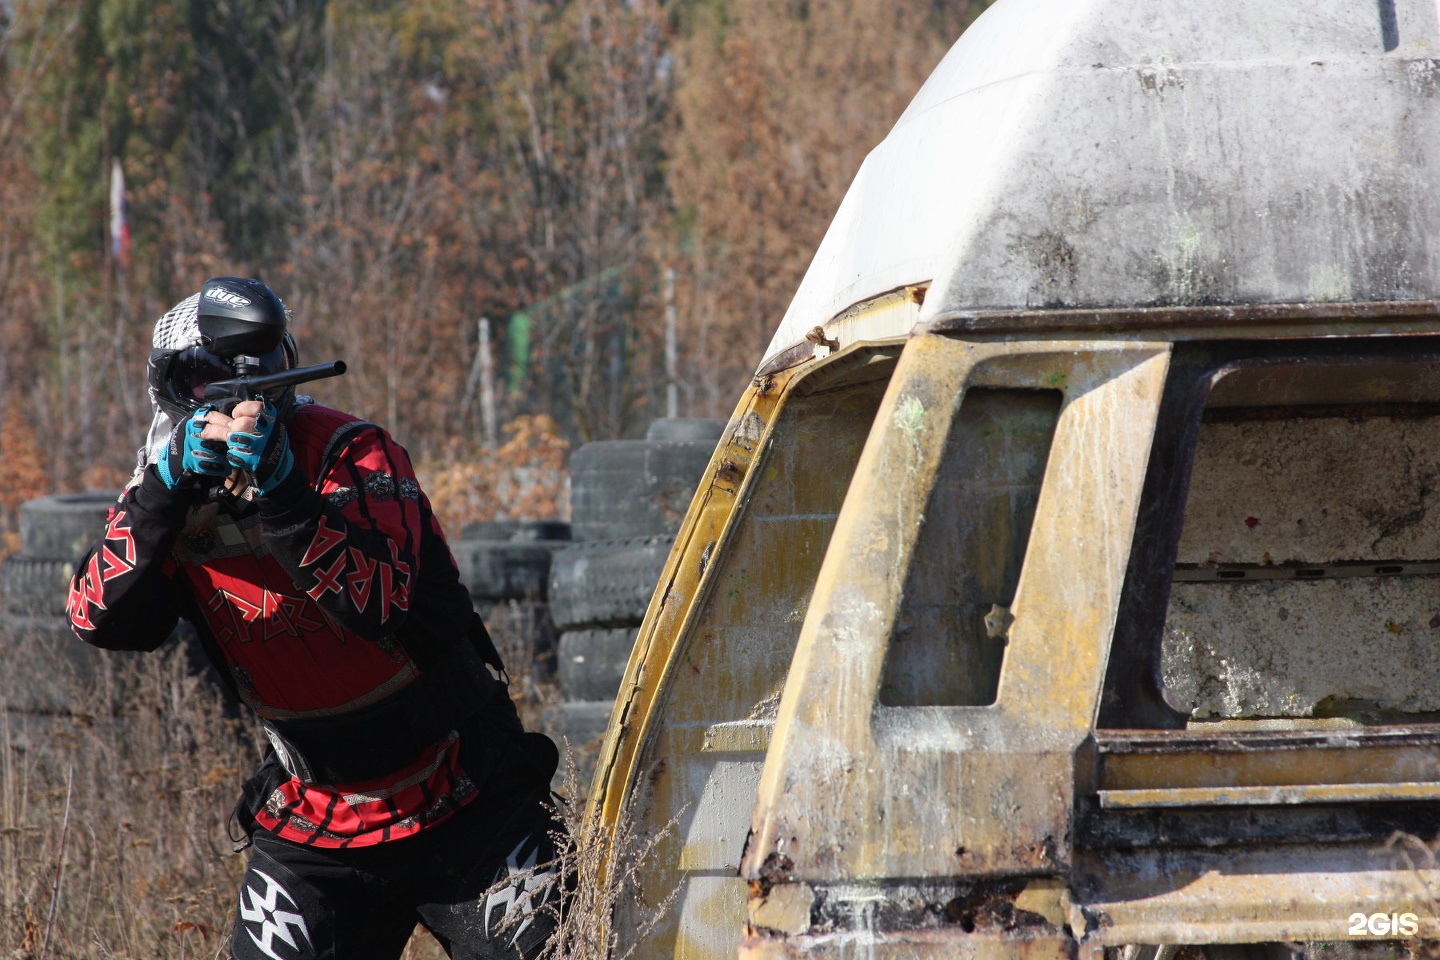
(181, 376)
(192, 370)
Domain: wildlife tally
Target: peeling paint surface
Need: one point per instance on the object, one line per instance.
(849, 786)
(1312, 491)
(1296, 649)
(1320, 489)
(728, 649)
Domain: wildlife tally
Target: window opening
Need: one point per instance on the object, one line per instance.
(948, 644)
(1306, 571)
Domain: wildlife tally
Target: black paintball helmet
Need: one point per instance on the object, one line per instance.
(238, 326)
(240, 317)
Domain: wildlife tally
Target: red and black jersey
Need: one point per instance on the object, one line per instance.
(334, 607)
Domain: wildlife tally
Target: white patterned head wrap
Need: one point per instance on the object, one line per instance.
(179, 328)
(176, 330)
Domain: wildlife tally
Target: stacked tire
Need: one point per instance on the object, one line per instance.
(627, 499)
(41, 662)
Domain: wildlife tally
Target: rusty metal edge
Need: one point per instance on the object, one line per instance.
(617, 777)
(791, 356)
(1264, 795)
(1240, 320)
(626, 734)
(1168, 742)
(615, 774)
(895, 944)
(797, 353)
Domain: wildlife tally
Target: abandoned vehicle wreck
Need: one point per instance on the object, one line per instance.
(1066, 578)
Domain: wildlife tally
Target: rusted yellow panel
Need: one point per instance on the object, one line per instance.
(705, 920)
(1192, 759)
(850, 788)
(1280, 893)
(1257, 796)
(683, 756)
(704, 524)
(783, 908)
(747, 685)
(1046, 897)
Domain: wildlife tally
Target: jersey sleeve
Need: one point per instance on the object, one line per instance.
(123, 595)
(351, 541)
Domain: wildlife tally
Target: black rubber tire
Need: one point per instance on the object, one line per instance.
(686, 428)
(634, 488)
(32, 587)
(592, 662)
(606, 583)
(503, 569)
(64, 526)
(519, 531)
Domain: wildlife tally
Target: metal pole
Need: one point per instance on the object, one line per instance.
(672, 387)
(487, 383)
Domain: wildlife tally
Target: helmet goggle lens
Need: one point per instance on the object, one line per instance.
(195, 368)
(187, 372)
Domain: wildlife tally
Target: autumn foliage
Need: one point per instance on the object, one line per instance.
(487, 208)
(522, 478)
(399, 171)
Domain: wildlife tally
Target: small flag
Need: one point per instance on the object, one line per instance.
(119, 226)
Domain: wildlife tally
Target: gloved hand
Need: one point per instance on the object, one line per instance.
(259, 445)
(188, 456)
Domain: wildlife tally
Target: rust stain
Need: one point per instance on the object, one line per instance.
(990, 907)
(1039, 856)
(775, 869)
(817, 337)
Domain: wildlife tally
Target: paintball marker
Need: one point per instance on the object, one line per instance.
(227, 393)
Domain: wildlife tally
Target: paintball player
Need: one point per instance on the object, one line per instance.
(401, 787)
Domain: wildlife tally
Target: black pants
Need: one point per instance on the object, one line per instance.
(483, 882)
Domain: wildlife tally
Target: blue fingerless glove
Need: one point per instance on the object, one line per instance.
(264, 454)
(187, 457)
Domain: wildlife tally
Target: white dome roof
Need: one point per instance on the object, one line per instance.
(1122, 153)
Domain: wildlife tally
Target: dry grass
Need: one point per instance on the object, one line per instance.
(601, 868)
(113, 816)
(525, 639)
(1420, 858)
